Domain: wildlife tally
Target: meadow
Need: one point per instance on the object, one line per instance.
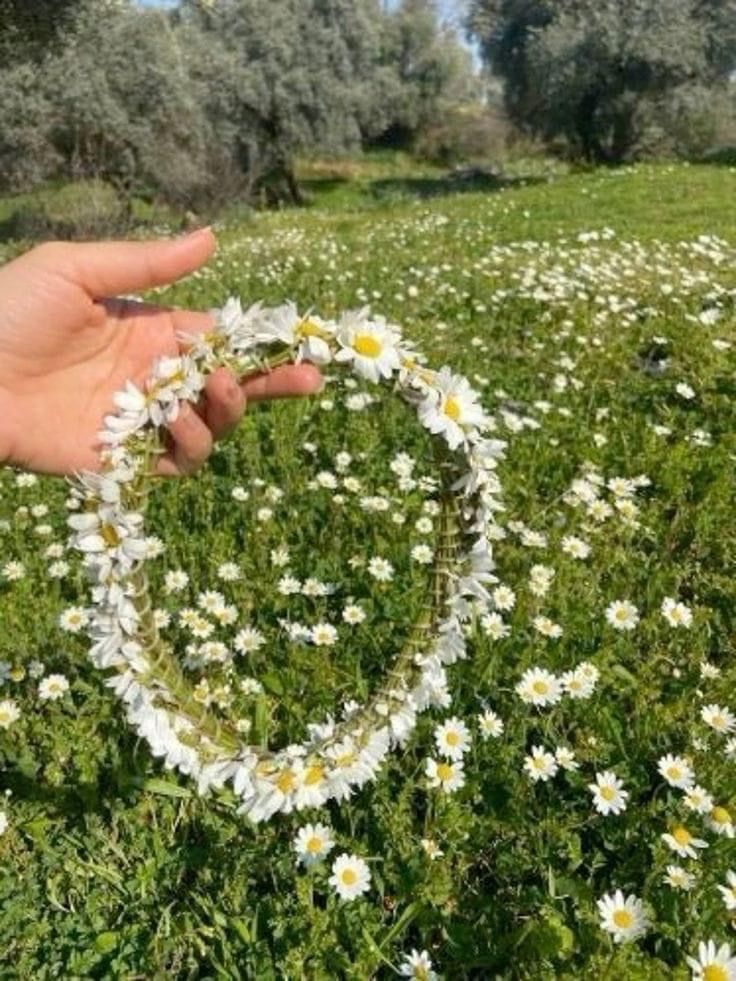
(594, 313)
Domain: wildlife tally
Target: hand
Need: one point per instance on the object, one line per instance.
(66, 347)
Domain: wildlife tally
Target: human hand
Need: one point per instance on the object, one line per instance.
(66, 346)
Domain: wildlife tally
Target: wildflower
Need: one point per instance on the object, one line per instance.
(53, 687)
(323, 635)
(676, 614)
(718, 718)
(175, 581)
(547, 627)
(381, 569)
(73, 619)
(3, 822)
(581, 682)
(9, 713)
(371, 346)
(451, 407)
(566, 758)
(676, 771)
(622, 615)
(353, 614)
(713, 964)
(721, 821)
(248, 640)
(540, 579)
(312, 843)
(697, 799)
(609, 797)
(493, 626)
(490, 725)
(431, 848)
(623, 918)
(422, 554)
(350, 877)
(449, 777)
(679, 878)
(229, 572)
(539, 687)
(452, 739)
(418, 965)
(576, 548)
(683, 843)
(288, 586)
(503, 598)
(540, 765)
(728, 892)
(13, 571)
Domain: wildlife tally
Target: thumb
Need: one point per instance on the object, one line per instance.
(109, 268)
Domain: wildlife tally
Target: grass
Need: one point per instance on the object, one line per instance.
(576, 305)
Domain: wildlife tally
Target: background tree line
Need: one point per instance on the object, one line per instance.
(213, 100)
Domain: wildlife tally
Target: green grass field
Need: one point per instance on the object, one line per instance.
(595, 313)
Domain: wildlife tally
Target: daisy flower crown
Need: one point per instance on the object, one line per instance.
(107, 526)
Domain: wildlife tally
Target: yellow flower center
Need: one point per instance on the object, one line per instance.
(110, 536)
(451, 408)
(540, 687)
(623, 919)
(444, 771)
(285, 781)
(314, 845)
(714, 972)
(674, 772)
(349, 877)
(452, 738)
(607, 793)
(367, 345)
(313, 775)
(4, 716)
(346, 759)
(682, 836)
(308, 328)
(719, 815)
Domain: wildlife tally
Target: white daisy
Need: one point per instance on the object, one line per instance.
(371, 345)
(449, 777)
(418, 965)
(452, 739)
(728, 892)
(718, 718)
(350, 877)
(493, 626)
(713, 963)
(451, 407)
(381, 569)
(679, 878)
(547, 627)
(609, 797)
(74, 619)
(422, 554)
(622, 917)
(683, 843)
(3, 822)
(539, 687)
(676, 771)
(622, 615)
(697, 799)
(53, 687)
(566, 758)
(721, 821)
(323, 635)
(540, 765)
(576, 548)
(312, 843)
(490, 724)
(175, 581)
(676, 614)
(9, 713)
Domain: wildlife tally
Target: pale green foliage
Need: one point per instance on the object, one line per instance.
(600, 72)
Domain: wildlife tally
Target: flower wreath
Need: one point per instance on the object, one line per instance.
(108, 528)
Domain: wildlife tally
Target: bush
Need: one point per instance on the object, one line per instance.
(463, 133)
(86, 210)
